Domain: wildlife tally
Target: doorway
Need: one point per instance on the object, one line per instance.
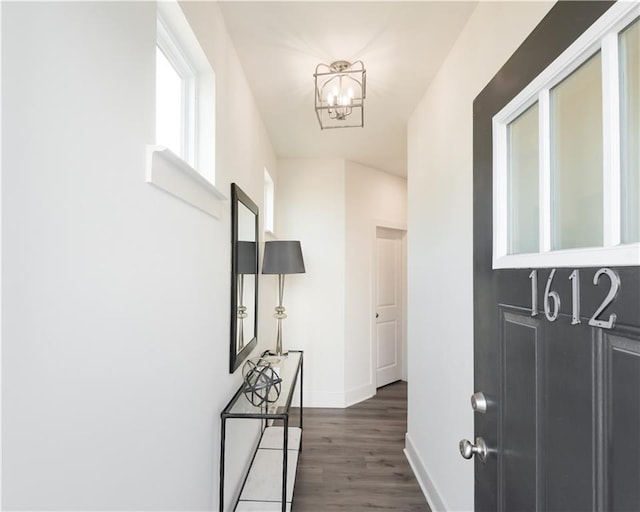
(389, 339)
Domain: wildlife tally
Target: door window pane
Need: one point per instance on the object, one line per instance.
(576, 158)
(630, 133)
(522, 137)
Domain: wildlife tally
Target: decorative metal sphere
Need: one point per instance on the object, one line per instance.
(261, 382)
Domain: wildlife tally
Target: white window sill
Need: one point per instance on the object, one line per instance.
(617, 256)
(173, 175)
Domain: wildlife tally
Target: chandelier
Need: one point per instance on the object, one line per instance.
(340, 93)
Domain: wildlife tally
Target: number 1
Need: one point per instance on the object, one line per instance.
(575, 296)
(534, 292)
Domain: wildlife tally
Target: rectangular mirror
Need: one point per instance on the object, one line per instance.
(244, 276)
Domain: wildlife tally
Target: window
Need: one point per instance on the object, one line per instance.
(182, 161)
(269, 198)
(170, 122)
(630, 133)
(576, 158)
(523, 182)
(566, 156)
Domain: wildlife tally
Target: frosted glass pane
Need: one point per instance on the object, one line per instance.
(576, 158)
(168, 105)
(630, 134)
(522, 134)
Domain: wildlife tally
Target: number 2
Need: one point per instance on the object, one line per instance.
(613, 292)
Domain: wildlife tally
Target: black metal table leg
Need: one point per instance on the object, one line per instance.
(301, 386)
(285, 457)
(222, 440)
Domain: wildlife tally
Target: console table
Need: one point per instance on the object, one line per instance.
(265, 489)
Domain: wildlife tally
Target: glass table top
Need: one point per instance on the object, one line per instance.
(287, 369)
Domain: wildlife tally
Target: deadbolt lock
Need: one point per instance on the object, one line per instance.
(479, 402)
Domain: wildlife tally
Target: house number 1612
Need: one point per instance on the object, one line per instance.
(551, 302)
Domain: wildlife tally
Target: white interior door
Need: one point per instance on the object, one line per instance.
(388, 299)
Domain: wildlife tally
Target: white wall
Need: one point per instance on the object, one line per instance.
(373, 198)
(440, 278)
(310, 207)
(115, 333)
(332, 207)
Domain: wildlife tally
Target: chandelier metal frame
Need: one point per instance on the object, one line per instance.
(340, 90)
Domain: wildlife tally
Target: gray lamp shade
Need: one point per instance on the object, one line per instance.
(246, 258)
(282, 257)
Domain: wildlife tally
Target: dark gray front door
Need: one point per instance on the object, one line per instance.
(563, 418)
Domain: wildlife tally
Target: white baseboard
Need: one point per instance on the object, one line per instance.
(422, 475)
(357, 395)
(330, 399)
(333, 399)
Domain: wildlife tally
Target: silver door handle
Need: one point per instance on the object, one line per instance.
(479, 402)
(468, 449)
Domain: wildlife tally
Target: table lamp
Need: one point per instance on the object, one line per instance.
(282, 257)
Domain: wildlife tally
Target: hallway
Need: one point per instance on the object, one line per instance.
(117, 254)
(352, 459)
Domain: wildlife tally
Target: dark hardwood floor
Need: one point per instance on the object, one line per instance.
(352, 459)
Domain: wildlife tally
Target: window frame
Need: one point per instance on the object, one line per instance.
(189, 177)
(601, 36)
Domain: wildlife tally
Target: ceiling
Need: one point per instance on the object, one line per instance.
(402, 45)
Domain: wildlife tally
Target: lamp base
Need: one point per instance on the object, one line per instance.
(284, 353)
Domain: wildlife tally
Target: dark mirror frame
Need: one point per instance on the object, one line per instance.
(238, 197)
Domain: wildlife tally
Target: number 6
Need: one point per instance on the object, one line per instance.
(556, 299)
